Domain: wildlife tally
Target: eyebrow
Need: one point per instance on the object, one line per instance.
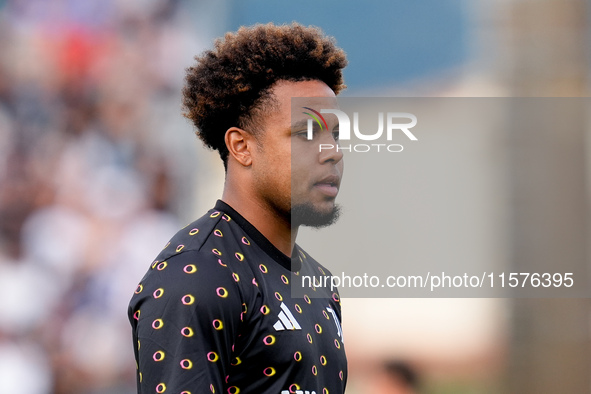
(300, 123)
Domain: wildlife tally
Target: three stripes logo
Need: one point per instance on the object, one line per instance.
(286, 320)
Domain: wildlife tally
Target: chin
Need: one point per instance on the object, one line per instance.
(309, 215)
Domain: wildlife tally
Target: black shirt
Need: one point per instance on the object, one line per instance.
(214, 314)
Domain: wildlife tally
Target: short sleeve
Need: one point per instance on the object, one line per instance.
(185, 314)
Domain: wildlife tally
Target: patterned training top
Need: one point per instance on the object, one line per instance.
(214, 314)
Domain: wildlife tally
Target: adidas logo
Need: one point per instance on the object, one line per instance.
(286, 320)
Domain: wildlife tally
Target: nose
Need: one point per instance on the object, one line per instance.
(329, 149)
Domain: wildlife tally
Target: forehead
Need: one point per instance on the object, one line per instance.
(312, 94)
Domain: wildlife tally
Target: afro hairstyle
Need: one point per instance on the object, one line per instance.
(231, 82)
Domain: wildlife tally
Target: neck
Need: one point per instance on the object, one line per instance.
(275, 227)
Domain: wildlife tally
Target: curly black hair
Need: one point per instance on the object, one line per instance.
(232, 82)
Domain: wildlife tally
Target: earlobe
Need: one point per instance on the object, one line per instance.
(239, 144)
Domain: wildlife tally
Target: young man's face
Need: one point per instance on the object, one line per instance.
(295, 178)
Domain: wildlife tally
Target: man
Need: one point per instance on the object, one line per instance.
(214, 312)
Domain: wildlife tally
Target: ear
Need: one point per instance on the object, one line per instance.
(240, 144)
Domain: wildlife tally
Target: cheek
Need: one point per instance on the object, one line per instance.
(276, 174)
(298, 172)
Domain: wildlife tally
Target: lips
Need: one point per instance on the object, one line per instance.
(329, 185)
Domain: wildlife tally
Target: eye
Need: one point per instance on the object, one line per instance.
(302, 134)
(335, 134)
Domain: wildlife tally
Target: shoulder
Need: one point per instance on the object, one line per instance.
(211, 255)
(206, 247)
(192, 278)
(194, 236)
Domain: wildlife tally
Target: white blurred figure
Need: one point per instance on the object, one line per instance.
(28, 296)
(57, 238)
(24, 368)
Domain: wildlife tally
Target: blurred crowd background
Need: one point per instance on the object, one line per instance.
(98, 169)
(94, 177)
